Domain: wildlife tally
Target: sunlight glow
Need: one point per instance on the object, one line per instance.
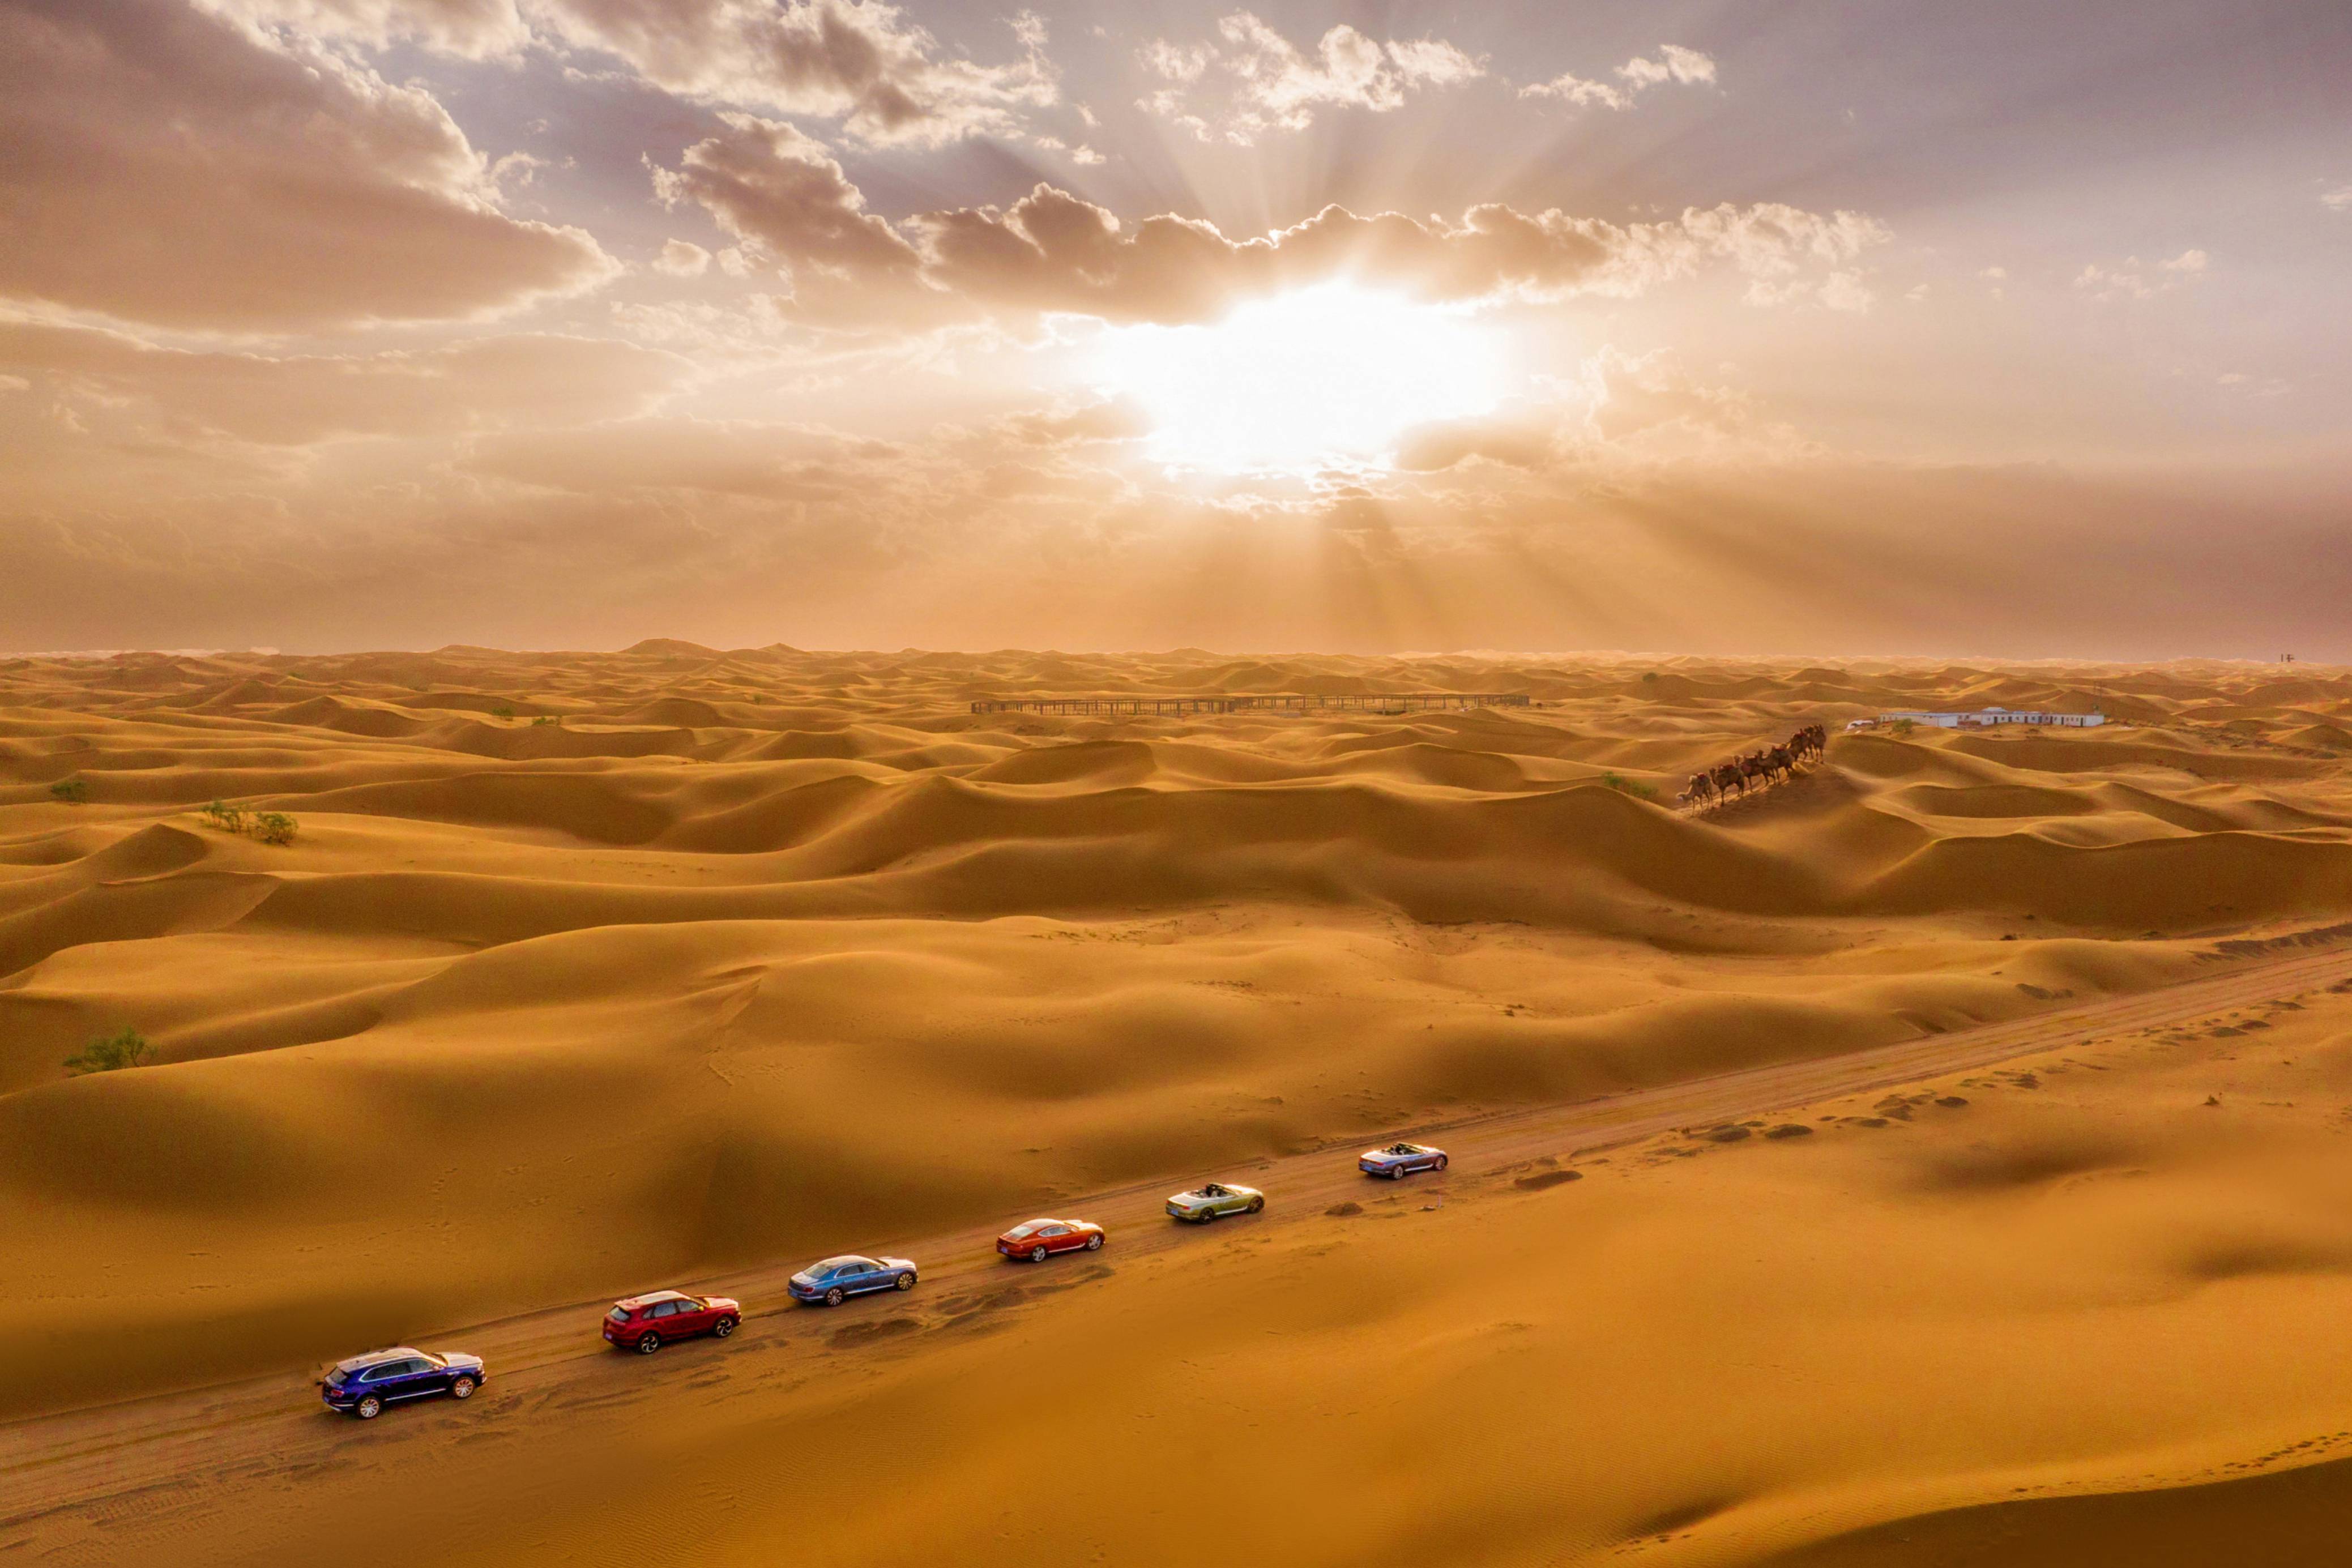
(1332, 374)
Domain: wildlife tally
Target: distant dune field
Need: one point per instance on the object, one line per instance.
(590, 973)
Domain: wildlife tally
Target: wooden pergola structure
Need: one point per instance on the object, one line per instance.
(1278, 703)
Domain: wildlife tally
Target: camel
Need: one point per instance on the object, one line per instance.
(1756, 769)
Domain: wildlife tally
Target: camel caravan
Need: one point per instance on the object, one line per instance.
(1756, 771)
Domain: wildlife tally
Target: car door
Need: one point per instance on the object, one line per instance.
(692, 1317)
(397, 1380)
(1054, 1237)
(670, 1319)
(870, 1276)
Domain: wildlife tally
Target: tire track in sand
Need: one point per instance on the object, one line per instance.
(68, 1472)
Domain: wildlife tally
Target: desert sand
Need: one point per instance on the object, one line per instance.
(586, 973)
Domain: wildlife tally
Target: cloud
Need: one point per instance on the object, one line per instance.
(857, 61)
(1686, 68)
(1523, 439)
(1269, 83)
(1110, 421)
(1053, 252)
(1674, 63)
(528, 379)
(778, 189)
(682, 258)
(473, 30)
(1645, 394)
(1176, 62)
(2134, 280)
(2339, 199)
(171, 166)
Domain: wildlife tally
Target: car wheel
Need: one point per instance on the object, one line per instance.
(1036, 1254)
(368, 1409)
(1396, 1173)
(1257, 1204)
(1205, 1217)
(1438, 1164)
(906, 1282)
(723, 1327)
(834, 1297)
(1094, 1242)
(462, 1389)
(648, 1342)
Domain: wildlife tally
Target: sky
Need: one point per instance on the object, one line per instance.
(1826, 327)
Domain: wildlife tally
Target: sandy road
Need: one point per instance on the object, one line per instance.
(69, 1472)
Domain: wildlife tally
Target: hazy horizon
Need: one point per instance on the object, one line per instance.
(553, 323)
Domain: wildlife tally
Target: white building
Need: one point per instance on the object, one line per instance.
(1984, 718)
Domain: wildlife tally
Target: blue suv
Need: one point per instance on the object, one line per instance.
(837, 1279)
(365, 1384)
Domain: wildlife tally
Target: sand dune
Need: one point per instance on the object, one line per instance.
(749, 955)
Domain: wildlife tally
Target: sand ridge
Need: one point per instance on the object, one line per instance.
(752, 955)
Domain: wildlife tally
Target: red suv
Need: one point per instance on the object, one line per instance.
(645, 1324)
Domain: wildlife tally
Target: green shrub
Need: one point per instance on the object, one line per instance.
(555, 719)
(72, 791)
(1650, 675)
(269, 827)
(503, 711)
(110, 1054)
(1904, 725)
(1624, 786)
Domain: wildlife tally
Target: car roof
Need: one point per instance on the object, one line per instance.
(376, 1358)
(844, 1258)
(633, 1302)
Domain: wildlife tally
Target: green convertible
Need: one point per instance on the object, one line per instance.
(1213, 1199)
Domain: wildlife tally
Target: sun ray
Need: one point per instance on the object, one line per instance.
(1330, 374)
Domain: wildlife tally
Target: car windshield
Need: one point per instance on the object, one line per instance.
(619, 1314)
(1026, 1228)
(1212, 1191)
(339, 1377)
(1402, 1149)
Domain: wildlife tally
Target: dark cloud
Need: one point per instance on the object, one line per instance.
(1052, 251)
(166, 165)
(778, 189)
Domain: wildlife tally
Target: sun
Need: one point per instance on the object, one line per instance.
(1328, 375)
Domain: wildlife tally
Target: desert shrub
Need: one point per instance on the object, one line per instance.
(72, 791)
(503, 711)
(548, 718)
(1624, 786)
(1650, 674)
(110, 1054)
(1904, 725)
(269, 827)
